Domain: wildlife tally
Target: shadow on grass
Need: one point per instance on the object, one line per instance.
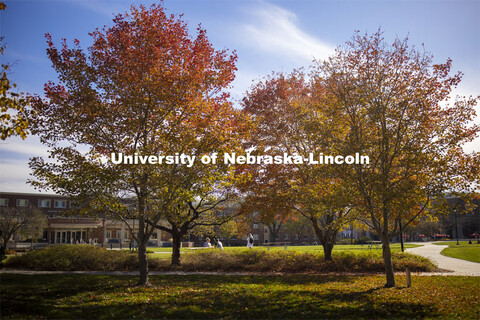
(325, 309)
(38, 294)
(195, 296)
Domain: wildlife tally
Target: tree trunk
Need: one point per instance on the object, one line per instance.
(143, 264)
(176, 241)
(3, 247)
(327, 250)
(326, 239)
(5, 242)
(142, 254)
(387, 259)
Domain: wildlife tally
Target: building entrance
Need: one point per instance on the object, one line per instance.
(71, 236)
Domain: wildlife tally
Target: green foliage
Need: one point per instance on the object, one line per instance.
(237, 297)
(363, 240)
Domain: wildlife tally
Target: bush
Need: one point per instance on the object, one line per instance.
(11, 252)
(363, 240)
(89, 258)
(74, 258)
(293, 261)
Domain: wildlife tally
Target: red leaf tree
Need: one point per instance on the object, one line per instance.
(394, 101)
(144, 87)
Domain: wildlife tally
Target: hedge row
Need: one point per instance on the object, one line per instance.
(292, 261)
(74, 258)
(89, 258)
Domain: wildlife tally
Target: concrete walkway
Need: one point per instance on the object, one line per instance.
(458, 266)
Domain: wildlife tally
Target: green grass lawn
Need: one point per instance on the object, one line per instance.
(395, 247)
(244, 297)
(465, 251)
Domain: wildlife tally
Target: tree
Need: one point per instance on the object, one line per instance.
(394, 100)
(292, 116)
(20, 221)
(13, 106)
(428, 227)
(203, 213)
(298, 225)
(228, 230)
(145, 88)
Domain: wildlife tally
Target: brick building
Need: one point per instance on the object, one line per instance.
(65, 227)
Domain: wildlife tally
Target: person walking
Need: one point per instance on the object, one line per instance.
(218, 244)
(250, 241)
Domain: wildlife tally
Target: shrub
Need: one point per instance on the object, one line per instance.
(212, 260)
(363, 240)
(89, 258)
(293, 261)
(74, 258)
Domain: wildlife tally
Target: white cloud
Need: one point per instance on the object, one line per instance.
(14, 177)
(276, 30)
(30, 147)
(14, 157)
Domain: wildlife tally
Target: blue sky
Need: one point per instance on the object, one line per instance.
(267, 36)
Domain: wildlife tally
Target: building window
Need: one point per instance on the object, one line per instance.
(305, 237)
(108, 234)
(3, 202)
(44, 203)
(255, 237)
(297, 236)
(286, 237)
(255, 225)
(22, 203)
(62, 204)
(277, 237)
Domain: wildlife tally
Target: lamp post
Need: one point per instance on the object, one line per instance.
(401, 235)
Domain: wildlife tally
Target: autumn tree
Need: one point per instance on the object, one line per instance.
(199, 214)
(395, 102)
(291, 115)
(20, 221)
(298, 225)
(228, 230)
(13, 105)
(145, 87)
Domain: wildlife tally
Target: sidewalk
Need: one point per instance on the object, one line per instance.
(458, 266)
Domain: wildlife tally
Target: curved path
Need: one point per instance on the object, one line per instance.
(458, 266)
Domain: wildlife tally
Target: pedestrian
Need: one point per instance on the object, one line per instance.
(218, 244)
(250, 241)
(207, 243)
